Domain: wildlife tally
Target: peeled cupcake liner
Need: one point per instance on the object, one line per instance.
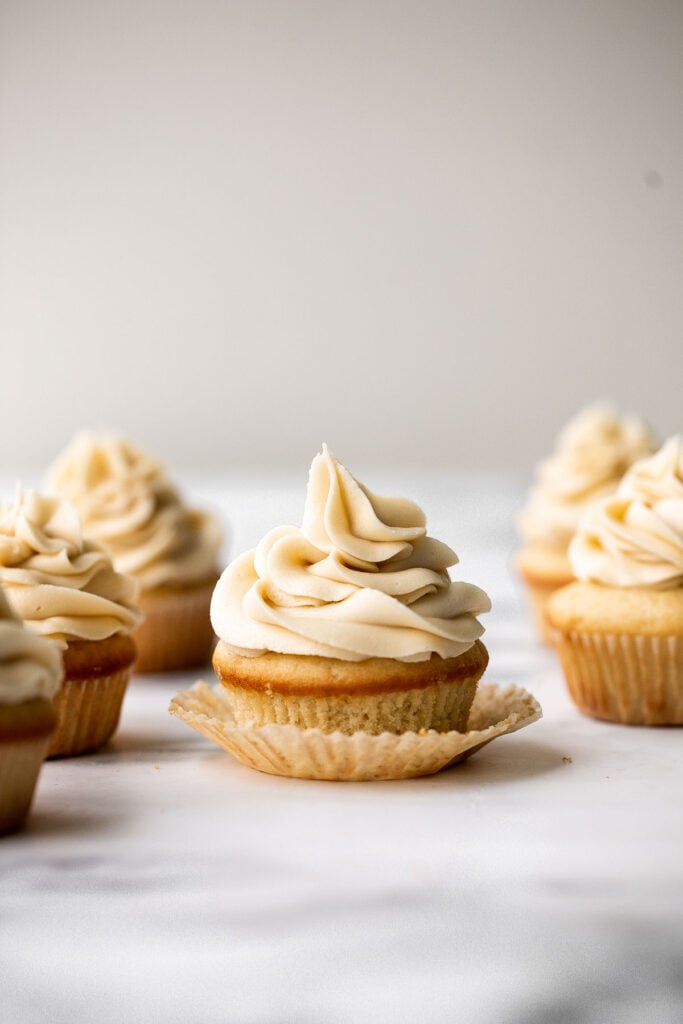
(20, 763)
(88, 712)
(176, 632)
(629, 679)
(291, 751)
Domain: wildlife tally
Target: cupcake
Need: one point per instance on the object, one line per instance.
(30, 676)
(350, 622)
(128, 505)
(618, 628)
(592, 454)
(65, 588)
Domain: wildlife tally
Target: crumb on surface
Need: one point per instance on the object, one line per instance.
(157, 766)
(567, 760)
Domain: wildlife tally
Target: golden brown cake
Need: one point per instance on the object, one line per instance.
(376, 695)
(65, 589)
(350, 622)
(592, 453)
(128, 505)
(619, 629)
(30, 675)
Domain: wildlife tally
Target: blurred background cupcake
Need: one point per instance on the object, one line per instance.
(66, 589)
(591, 455)
(128, 504)
(30, 676)
(619, 627)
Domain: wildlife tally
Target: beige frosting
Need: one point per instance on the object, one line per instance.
(61, 585)
(128, 504)
(592, 454)
(360, 579)
(30, 666)
(635, 538)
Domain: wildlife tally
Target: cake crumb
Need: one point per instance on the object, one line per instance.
(567, 760)
(156, 766)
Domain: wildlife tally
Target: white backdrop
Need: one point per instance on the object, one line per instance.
(425, 232)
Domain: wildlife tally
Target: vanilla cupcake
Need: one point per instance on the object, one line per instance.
(592, 454)
(128, 505)
(30, 676)
(65, 588)
(350, 622)
(619, 628)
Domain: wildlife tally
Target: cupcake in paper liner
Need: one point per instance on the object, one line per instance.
(130, 507)
(619, 628)
(346, 651)
(65, 588)
(350, 622)
(30, 676)
(302, 753)
(592, 454)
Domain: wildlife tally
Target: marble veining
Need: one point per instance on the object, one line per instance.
(540, 882)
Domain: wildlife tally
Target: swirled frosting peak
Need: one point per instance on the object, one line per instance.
(359, 579)
(635, 539)
(593, 452)
(61, 585)
(30, 666)
(128, 504)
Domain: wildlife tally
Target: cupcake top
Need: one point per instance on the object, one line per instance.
(360, 579)
(30, 666)
(592, 454)
(635, 538)
(128, 504)
(60, 585)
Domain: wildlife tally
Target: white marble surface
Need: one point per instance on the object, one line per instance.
(159, 880)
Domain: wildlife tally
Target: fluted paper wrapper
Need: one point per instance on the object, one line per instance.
(636, 680)
(312, 754)
(88, 712)
(20, 762)
(176, 632)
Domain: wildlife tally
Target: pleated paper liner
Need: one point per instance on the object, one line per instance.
(313, 754)
(20, 762)
(176, 632)
(88, 712)
(634, 680)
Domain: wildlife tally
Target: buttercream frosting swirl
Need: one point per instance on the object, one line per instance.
(592, 454)
(128, 504)
(30, 666)
(61, 585)
(635, 538)
(359, 579)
